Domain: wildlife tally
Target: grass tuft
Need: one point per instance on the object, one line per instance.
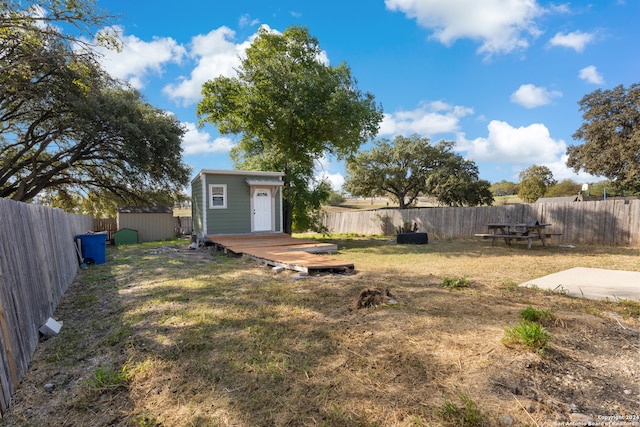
(106, 377)
(533, 315)
(530, 334)
(467, 415)
(145, 420)
(455, 282)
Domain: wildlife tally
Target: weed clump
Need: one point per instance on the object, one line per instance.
(106, 377)
(455, 282)
(533, 315)
(467, 415)
(530, 334)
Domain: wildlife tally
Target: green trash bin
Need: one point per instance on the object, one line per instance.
(125, 236)
(93, 248)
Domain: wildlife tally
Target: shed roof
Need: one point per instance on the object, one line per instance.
(252, 182)
(145, 209)
(247, 173)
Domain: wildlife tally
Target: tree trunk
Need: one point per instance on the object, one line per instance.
(401, 203)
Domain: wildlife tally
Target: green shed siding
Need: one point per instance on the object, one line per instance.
(236, 217)
(197, 206)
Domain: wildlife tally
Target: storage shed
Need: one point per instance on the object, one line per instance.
(153, 223)
(236, 202)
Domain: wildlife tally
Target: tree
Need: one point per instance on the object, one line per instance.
(534, 182)
(566, 187)
(290, 110)
(67, 127)
(45, 18)
(504, 188)
(412, 166)
(457, 183)
(602, 188)
(611, 135)
(397, 169)
(335, 198)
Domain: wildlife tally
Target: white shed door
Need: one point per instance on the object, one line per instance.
(262, 210)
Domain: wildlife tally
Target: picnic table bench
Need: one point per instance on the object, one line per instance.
(528, 231)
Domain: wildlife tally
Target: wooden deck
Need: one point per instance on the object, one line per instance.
(282, 250)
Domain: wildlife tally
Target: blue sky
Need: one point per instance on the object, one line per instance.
(501, 78)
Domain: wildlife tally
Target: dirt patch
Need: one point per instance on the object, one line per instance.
(374, 297)
(207, 339)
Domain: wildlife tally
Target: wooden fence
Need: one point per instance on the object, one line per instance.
(613, 222)
(38, 262)
(182, 226)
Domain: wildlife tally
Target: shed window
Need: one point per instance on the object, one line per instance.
(217, 196)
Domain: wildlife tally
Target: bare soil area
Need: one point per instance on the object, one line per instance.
(162, 335)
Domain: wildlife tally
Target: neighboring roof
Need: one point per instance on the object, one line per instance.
(145, 209)
(557, 199)
(238, 172)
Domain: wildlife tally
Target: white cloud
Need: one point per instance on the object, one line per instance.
(576, 40)
(138, 58)
(505, 144)
(500, 26)
(246, 21)
(531, 96)
(429, 119)
(335, 179)
(591, 75)
(561, 172)
(322, 167)
(216, 54)
(196, 141)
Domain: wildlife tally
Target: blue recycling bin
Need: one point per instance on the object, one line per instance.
(93, 247)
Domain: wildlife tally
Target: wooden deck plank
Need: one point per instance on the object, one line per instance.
(283, 250)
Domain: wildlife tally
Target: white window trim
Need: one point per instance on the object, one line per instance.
(224, 196)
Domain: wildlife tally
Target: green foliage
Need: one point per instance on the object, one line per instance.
(145, 420)
(504, 188)
(411, 166)
(307, 212)
(532, 315)
(291, 110)
(467, 415)
(611, 135)
(566, 187)
(68, 127)
(534, 182)
(455, 282)
(335, 198)
(457, 183)
(607, 187)
(530, 334)
(91, 25)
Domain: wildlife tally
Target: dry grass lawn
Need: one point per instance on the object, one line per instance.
(166, 336)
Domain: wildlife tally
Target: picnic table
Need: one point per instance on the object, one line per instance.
(528, 231)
